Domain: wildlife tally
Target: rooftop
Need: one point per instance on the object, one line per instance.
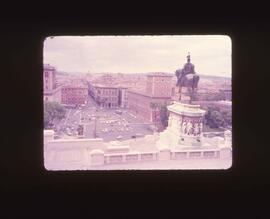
(162, 74)
(143, 93)
(108, 86)
(75, 86)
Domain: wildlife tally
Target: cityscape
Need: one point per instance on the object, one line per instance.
(121, 120)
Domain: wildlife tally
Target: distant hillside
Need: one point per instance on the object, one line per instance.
(214, 77)
(210, 77)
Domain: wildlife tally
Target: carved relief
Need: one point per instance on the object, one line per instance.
(191, 126)
(196, 129)
(184, 128)
(200, 127)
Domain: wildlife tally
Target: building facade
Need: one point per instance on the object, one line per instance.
(157, 92)
(50, 90)
(142, 105)
(74, 94)
(49, 81)
(109, 96)
(159, 85)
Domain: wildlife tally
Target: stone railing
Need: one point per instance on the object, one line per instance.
(131, 157)
(214, 153)
(75, 154)
(213, 134)
(80, 158)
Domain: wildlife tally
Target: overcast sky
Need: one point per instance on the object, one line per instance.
(211, 54)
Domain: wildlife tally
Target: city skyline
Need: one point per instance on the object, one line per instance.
(211, 54)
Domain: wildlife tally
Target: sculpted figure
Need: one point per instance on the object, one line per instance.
(189, 128)
(187, 77)
(196, 129)
(184, 124)
(200, 128)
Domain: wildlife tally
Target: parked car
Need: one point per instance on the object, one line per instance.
(118, 112)
(119, 137)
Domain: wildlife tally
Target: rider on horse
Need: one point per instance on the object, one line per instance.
(187, 76)
(181, 73)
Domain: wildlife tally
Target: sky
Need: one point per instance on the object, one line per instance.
(211, 54)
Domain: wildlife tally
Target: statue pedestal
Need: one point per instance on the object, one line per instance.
(184, 127)
(185, 99)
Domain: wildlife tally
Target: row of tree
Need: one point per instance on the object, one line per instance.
(215, 117)
(163, 114)
(217, 96)
(53, 112)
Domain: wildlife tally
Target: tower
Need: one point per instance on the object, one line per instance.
(49, 81)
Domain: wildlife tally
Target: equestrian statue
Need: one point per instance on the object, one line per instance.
(187, 77)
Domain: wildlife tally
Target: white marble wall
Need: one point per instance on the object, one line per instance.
(77, 154)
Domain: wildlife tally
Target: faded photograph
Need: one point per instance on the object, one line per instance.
(137, 102)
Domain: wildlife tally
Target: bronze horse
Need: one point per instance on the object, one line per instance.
(187, 79)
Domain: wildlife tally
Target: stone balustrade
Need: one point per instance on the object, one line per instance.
(185, 154)
(62, 154)
(131, 157)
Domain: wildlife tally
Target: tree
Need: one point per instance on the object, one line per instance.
(164, 116)
(227, 115)
(192, 94)
(214, 118)
(53, 111)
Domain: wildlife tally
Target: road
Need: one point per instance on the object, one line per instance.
(109, 124)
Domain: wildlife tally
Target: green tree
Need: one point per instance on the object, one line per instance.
(214, 118)
(164, 116)
(53, 111)
(220, 96)
(162, 112)
(193, 94)
(227, 115)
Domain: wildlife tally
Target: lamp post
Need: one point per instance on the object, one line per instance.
(95, 127)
